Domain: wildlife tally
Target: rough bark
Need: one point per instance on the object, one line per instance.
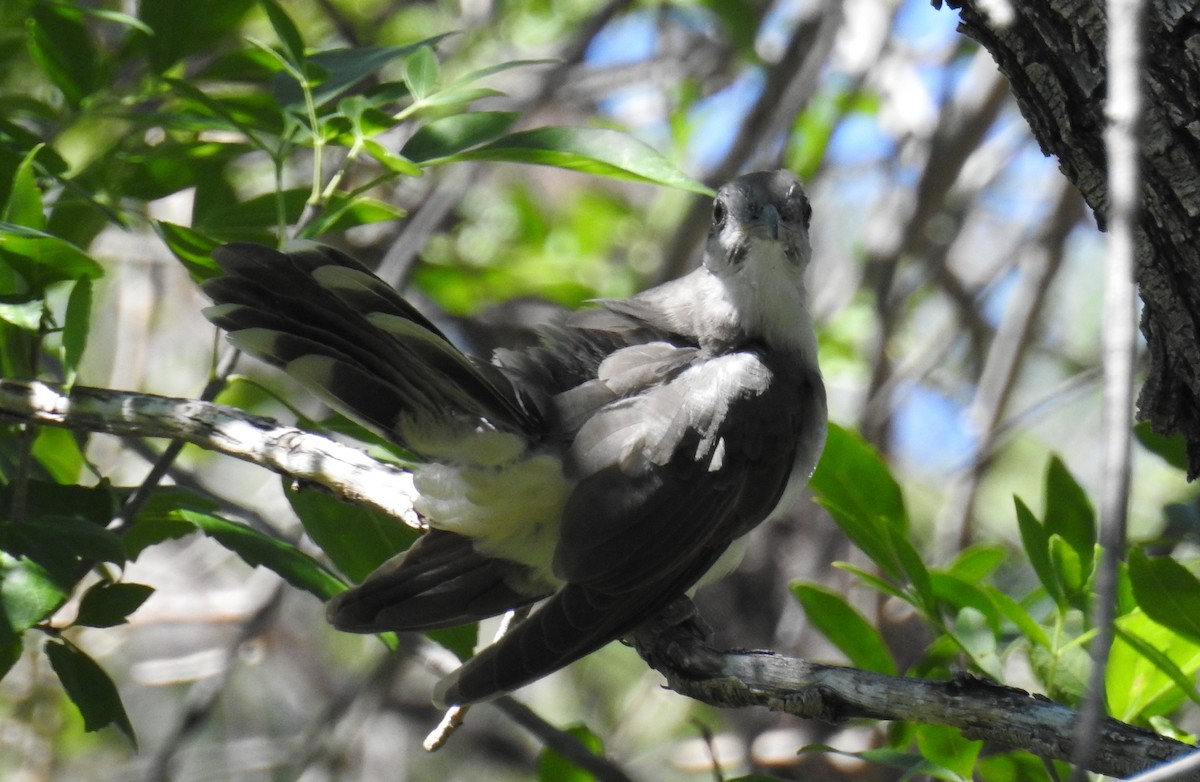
(676, 644)
(1052, 54)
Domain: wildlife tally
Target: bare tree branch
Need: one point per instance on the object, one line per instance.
(289, 451)
(674, 644)
(1119, 338)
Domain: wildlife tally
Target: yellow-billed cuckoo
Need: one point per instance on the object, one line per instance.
(602, 473)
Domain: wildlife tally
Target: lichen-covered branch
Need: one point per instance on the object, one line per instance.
(676, 645)
(303, 456)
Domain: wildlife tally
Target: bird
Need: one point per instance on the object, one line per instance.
(596, 476)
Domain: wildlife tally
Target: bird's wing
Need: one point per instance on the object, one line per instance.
(354, 341)
(671, 477)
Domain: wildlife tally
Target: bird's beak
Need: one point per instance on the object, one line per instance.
(769, 220)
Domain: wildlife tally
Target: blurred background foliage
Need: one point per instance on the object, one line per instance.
(955, 283)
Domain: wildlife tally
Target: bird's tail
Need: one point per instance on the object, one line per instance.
(441, 581)
(354, 342)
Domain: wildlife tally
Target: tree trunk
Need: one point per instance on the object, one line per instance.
(1053, 54)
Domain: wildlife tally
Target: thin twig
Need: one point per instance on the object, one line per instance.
(204, 695)
(438, 205)
(788, 86)
(1040, 261)
(1119, 334)
(562, 742)
(900, 230)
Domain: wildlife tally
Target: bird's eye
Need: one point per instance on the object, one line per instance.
(797, 206)
(719, 215)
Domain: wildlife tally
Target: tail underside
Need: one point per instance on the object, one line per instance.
(441, 581)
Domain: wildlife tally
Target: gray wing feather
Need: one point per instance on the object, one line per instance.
(634, 538)
(354, 341)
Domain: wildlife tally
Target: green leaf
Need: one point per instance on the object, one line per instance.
(973, 635)
(421, 72)
(918, 575)
(76, 326)
(60, 43)
(591, 150)
(1036, 542)
(289, 36)
(249, 219)
(193, 248)
(738, 21)
(483, 73)
(234, 120)
(58, 452)
(43, 259)
(1069, 569)
(947, 748)
(89, 688)
(845, 627)
(1069, 513)
(356, 539)
(94, 504)
(26, 315)
(1019, 767)
(107, 604)
(24, 206)
(181, 29)
(11, 645)
(119, 18)
(60, 543)
(1015, 613)
(960, 593)
(1150, 668)
(80, 221)
(258, 549)
(1167, 592)
(365, 119)
(29, 594)
(875, 582)
(444, 137)
(855, 486)
(1063, 671)
(554, 767)
(1171, 448)
(461, 640)
(397, 164)
(159, 520)
(459, 96)
(344, 68)
(975, 563)
(345, 212)
(913, 764)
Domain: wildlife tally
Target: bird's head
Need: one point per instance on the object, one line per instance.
(758, 251)
(756, 219)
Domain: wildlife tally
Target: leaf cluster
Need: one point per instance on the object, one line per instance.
(992, 611)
